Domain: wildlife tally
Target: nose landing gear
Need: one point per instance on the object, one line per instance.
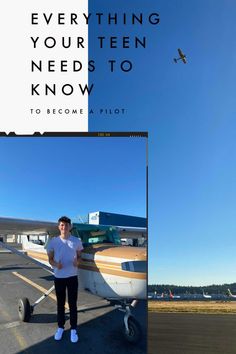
(132, 329)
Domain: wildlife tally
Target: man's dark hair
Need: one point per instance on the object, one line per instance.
(64, 219)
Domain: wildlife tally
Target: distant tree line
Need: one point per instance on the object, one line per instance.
(210, 289)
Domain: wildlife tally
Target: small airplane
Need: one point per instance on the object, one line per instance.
(172, 296)
(182, 57)
(230, 294)
(205, 295)
(107, 269)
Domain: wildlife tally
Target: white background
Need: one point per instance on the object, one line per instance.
(15, 65)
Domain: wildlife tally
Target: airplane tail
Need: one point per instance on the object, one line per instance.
(171, 295)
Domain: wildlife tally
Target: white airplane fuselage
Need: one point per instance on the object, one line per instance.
(106, 270)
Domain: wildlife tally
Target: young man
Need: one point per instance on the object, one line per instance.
(63, 254)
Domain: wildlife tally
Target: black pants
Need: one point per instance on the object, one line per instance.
(71, 284)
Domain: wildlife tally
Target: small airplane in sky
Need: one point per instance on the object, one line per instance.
(230, 294)
(182, 57)
(172, 296)
(205, 295)
(107, 269)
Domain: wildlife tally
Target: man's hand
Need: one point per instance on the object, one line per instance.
(53, 263)
(59, 265)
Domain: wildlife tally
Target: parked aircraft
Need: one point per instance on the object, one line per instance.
(172, 296)
(230, 294)
(205, 295)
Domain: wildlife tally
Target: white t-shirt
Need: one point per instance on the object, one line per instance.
(65, 252)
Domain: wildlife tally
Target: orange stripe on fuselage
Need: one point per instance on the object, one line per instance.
(121, 273)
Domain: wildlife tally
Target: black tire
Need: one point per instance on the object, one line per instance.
(135, 332)
(24, 309)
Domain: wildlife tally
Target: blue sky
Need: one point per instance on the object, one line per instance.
(189, 111)
(44, 178)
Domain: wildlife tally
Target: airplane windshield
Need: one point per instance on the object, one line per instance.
(97, 236)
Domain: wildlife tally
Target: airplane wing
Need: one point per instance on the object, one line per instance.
(11, 226)
(180, 52)
(131, 232)
(23, 255)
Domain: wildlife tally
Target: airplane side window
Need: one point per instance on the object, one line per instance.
(97, 236)
(135, 266)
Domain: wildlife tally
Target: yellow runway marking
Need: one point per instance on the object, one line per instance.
(19, 338)
(38, 287)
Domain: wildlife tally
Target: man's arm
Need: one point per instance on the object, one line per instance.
(77, 258)
(52, 261)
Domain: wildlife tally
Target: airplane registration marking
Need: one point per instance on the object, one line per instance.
(38, 287)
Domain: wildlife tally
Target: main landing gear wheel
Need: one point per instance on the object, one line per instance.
(134, 332)
(24, 309)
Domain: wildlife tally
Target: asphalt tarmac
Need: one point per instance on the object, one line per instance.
(185, 333)
(99, 324)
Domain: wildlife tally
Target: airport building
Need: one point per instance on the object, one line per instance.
(129, 226)
(106, 218)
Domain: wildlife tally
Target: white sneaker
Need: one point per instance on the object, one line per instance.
(73, 336)
(59, 333)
